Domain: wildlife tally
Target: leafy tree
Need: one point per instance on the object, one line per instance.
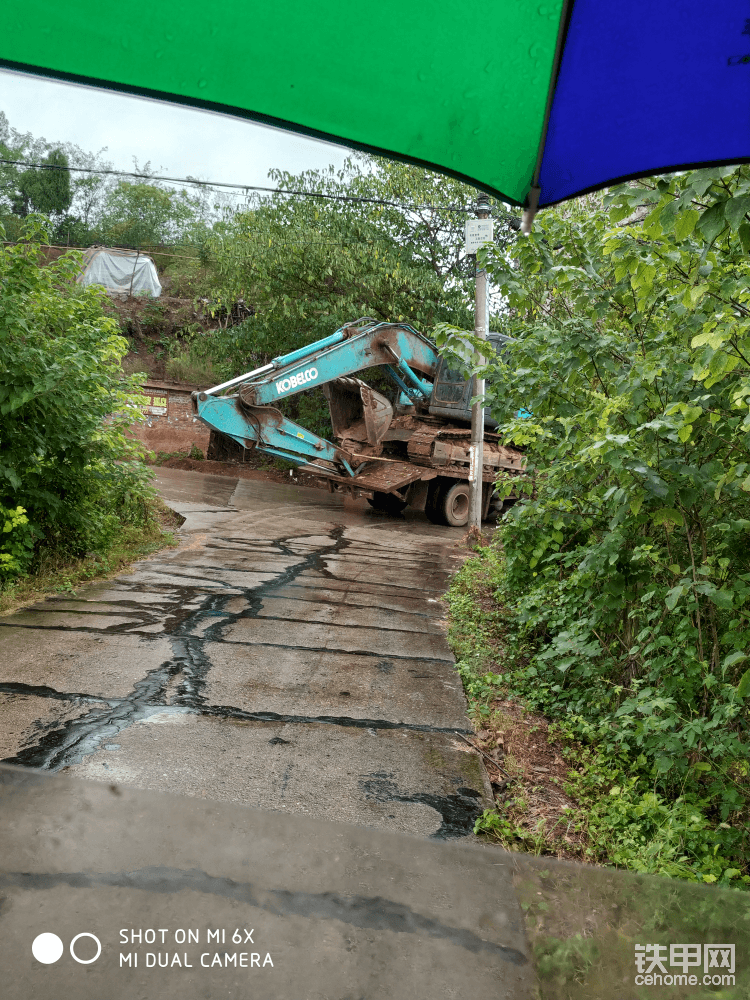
(309, 264)
(626, 566)
(46, 191)
(88, 186)
(70, 230)
(146, 215)
(68, 474)
(15, 145)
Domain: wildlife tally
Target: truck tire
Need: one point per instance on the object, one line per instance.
(499, 507)
(455, 504)
(449, 503)
(432, 504)
(387, 502)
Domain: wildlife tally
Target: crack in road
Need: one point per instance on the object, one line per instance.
(371, 912)
(81, 737)
(190, 662)
(177, 686)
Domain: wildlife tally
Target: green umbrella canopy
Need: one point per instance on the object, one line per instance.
(533, 102)
(428, 82)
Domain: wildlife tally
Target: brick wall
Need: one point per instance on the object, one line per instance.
(170, 424)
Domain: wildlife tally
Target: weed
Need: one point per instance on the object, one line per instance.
(188, 367)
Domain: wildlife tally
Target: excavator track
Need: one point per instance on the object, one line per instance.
(446, 449)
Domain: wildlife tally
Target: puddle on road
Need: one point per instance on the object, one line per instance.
(458, 811)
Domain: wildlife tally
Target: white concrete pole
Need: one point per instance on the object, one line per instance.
(477, 410)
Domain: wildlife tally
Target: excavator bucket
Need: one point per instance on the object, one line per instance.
(358, 412)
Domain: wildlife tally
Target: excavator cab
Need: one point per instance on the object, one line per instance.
(451, 394)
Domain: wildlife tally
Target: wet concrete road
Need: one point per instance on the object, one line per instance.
(290, 655)
(331, 911)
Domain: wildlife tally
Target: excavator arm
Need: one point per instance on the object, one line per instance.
(267, 429)
(353, 348)
(242, 408)
(391, 454)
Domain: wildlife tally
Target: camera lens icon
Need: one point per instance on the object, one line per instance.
(47, 948)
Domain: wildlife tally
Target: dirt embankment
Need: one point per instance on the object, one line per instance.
(160, 332)
(157, 329)
(164, 333)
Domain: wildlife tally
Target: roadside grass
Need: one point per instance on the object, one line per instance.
(529, 764)
(60, 574)
(551, 801)
(559, 790)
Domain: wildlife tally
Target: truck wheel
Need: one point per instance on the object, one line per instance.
(499, 507)
(435, 489)
(387, 502)
(455, 504)
(449, 503)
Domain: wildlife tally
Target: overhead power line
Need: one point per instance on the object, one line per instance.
(243, 187)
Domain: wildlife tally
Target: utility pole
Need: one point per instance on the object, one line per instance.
(476, 451)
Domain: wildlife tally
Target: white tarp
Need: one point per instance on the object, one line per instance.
(124, 271)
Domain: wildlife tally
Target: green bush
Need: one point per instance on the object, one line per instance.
(625, 570)
(64, 406)
(16, 542)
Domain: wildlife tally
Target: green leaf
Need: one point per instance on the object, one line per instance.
(685, 223)
(729, 661)
(673, 596)
(695, 294)
(736, 209)
(720, 597)
(636, 503)
(744, 234)
(712, 222)
(668, 515)
(743, 688)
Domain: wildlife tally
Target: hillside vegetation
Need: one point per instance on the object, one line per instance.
(71, 481)
(621, 577)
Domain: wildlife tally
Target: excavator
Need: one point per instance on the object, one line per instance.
(411, 449)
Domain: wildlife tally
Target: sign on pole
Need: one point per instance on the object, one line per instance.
(478, 232)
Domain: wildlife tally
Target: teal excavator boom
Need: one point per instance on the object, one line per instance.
(390, 452)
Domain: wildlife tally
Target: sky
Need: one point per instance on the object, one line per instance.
(177, 141)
